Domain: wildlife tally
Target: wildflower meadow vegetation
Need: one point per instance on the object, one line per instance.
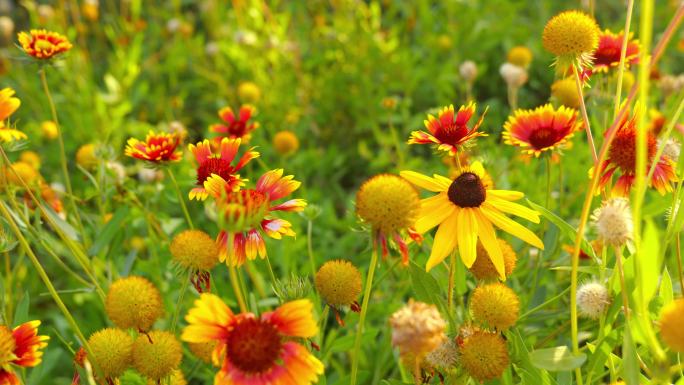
(341, 192)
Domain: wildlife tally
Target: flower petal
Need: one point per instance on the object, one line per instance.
(424, 181)
(508, 225)
(445, 241)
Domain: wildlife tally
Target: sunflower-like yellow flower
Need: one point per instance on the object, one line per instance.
(541, 129)
(571, 36)
(42, 44)
(520, 56)
(671, 325)
(465, 210)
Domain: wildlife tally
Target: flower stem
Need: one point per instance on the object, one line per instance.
(46, 279)
(623, 54)
(181, 199)
(362, 317)
(62, 155)
(236, 288)
(452, 278)
(270, 271)
(179, 303)
(548, 182)
(309, 247)
(583, 108)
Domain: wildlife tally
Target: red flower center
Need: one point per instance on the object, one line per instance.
(467, 190)
(607, 55)
(544, 137)
(218, 166)
(623, 149)
(253, 346)
(451, 133)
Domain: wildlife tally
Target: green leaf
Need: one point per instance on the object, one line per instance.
(21, 313)
(109, 231)
(346, 343)
(630, 363)
(649, 261)
(559, 358)
(666, 293)
(425, 285)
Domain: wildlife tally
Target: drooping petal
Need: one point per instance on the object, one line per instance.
(291, 205)
(506, 194)
(467, 236)
(508, 225)
(444, 242)
(512, 208)
(487, 236)
(433, 211)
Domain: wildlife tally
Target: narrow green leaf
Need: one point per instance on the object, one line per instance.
(565, 228)
(650, 262)
(108, 232)
(630, 363)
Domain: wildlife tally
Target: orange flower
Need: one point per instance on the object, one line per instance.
(220, 164)
(541, 129)
(236, 126)
(19, 347)
(245, 216)
(8, 105)
(42, 44)
(157, 148)
(607, 54)
(449, 131)
(256, 350)
(622, 156)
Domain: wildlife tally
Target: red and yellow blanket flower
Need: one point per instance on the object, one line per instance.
(622, 158)
(220, 164)
(8, 105)
(235, 126)
(20, 347)
(542, 129)
(607, 54)
(246, 216)
(465, 209)
(43, 44)
(157, 148)
(256, 350)
(449, 130)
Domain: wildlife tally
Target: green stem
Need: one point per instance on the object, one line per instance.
(452, 279)
(623, 54)
(236, 288)
(583, 109)
(309, 247)
(181, 198)
(179, 303)
(62, 155)
(548, 182)
(362, 318)
(543, 305)
(46, 280)
(270, 272)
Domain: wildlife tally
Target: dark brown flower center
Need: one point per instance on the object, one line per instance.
(451, 133)
(467, 190)
(218, 166)
(623, 149)
(253, 346)
(544, 137)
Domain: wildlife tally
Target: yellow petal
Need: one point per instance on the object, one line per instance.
(445, 241)
(506, 194)
(424, 181)
(467, 236)
(491, 245)
(512, 208)
(476, 167)
(512, 227)
(433, 211)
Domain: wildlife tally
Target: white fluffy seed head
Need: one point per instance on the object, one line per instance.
(592, 300)
(468, 71)
(671, 149)
(613, 221)
(444, 357)
(513, 75)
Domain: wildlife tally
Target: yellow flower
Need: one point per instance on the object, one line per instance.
(484, 355)
(571, 35)
(8, 104)
(671, 330)
(390, 205)
(195, 249)
(465, 210)
(483, 269)
(176, 378)
(42, 44)
(520, 56)
(30, 157)
(285, 142)
(565, 92)
(495, 305)
(133, 302)
(22, 171)
(86, 156)
(417, 329)
(249, 92)
(90, 9)
(202, 350)
(111, 350)
(156, 355)
(49, 129)
(338, 282)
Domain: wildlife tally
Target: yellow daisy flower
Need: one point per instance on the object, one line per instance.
(465, 209)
